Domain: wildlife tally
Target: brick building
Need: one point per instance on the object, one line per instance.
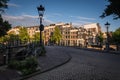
(71, 35)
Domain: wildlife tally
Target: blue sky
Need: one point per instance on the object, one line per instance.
(79, 12)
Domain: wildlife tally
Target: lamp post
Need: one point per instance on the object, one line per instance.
(41, 10)
(9, 52)
(107, 40)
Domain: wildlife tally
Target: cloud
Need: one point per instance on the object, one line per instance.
(22, 17)
(85, 18)
(83, 22)
(30, 16)
(77, 24)
(9, 17)
(82, 18)
(54, 15)
(25, 20)
(79, 20)
(57, 14)
(48, 22)
(13, 5)
(80, 23)
(31, 20)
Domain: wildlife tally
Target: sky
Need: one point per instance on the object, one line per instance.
(79, 12)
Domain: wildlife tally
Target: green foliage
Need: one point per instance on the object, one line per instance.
(116, 36)
(43, 51)
(14, 64)
(13, 37)
(4, 27)
(37, 36)
(112, 9)
(26, 66)
(9, 37)
(100, 37)
(3, 4)
(4, 38)
(29, 65)
(56, 36)
(23, 34)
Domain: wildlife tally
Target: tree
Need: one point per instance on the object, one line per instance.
(37, 36)
(100, 38)
(112, 9)
(4, 27)
(4, 39)
(23, 34)
(116, 37)
(3, 5)
(56, 36)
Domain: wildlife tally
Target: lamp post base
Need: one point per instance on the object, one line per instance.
(107, 47)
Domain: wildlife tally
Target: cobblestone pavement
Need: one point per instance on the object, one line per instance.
(52, 59)
(84, 65)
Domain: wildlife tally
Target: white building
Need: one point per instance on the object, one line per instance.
(93, 27)
(93, 30)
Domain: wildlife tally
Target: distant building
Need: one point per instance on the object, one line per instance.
(93, 27)
(71, 36)
(93, 30)
(48, 30)
(32, 30)
(14, 30)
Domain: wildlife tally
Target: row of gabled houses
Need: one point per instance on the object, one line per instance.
(71, 35)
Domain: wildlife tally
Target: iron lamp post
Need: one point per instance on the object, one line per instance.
(41, 10)
(107, 40)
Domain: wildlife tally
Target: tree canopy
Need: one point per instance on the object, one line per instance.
(56, 36)
(3, 5)
(23, 34)
(116, 36)
(37, 36)
(100, 38)
(112, 9)
(4, 27)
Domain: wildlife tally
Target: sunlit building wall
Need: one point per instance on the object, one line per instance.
(93, 29)
(71, 35)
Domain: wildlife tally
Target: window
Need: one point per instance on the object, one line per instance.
(66, 36)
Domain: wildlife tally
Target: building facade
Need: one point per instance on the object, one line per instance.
(93, 30)
(71, 35)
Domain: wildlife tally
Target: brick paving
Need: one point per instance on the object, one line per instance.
(84, 65)
(52, 59)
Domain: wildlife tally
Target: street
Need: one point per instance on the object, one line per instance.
(84, 65)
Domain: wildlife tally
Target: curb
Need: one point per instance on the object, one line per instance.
(40, 72)
(111, 52)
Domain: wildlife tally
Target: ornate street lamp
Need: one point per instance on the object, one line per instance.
(41, 10)
(107, 40)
